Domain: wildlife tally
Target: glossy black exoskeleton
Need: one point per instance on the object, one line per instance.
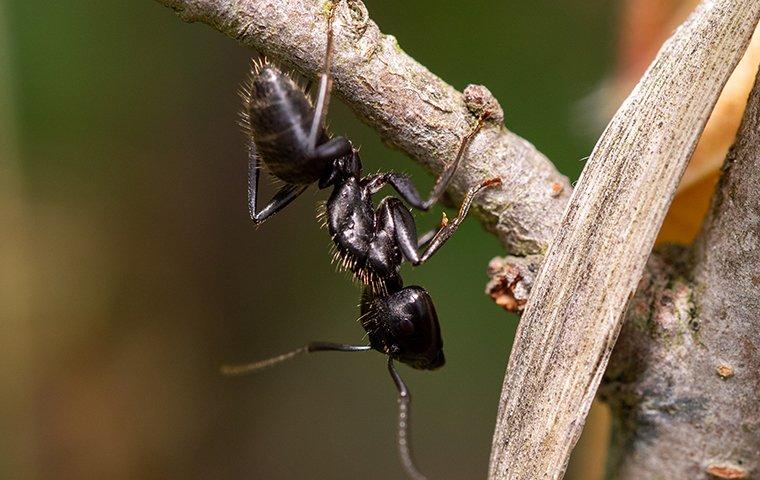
(288, 139)
(404, 325)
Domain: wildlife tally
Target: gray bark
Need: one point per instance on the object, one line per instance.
(684, 380)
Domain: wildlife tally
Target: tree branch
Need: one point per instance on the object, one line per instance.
(595, 262)
(684, 380)
(411, 108)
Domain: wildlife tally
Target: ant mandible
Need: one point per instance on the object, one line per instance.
(287, 137)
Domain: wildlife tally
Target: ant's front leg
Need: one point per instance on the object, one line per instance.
(403, 428)
(311, 347)
(281, 199)
(404, 186)
(448, 230)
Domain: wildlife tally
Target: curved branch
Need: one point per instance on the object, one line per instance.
(411, 108)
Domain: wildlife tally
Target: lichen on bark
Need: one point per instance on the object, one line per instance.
(684, 378)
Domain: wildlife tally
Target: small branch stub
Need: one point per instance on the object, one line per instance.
(511, 280)
(481, 103)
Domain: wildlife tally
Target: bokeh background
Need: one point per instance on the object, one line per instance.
(129, 271)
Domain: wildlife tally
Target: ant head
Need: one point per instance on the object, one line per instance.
(343, 167)
(405, 325)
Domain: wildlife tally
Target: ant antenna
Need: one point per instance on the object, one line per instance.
(404, 419)
(325, 84)
(236, 370)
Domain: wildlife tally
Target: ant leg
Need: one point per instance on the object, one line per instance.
(406, 230)
(281, 199)
(426, 238)
(404, 186)
(336, 147)
(429, 235)
(404, 414)
(448, 230)
(325, 85)
(234, 370)
(442, 182)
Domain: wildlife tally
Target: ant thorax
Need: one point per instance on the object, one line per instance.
(362, 243)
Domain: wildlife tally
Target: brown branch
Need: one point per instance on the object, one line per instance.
(411, 108)
(595, 262)
(684, 380)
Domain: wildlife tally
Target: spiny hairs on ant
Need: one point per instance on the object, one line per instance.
(287, 136)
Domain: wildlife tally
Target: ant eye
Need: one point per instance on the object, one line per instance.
(406, 327)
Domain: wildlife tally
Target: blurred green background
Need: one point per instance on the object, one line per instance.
(130, 271)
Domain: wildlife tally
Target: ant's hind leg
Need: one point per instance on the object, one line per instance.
(234, 370)
(334, 148)
(281, 199)
(325, 85)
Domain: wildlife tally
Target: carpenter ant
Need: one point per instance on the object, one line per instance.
(287, 137)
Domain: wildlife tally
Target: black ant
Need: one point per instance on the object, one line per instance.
(287, 136)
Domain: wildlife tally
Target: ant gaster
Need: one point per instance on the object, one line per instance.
(287, 137)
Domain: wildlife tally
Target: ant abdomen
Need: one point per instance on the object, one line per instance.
(277, 117)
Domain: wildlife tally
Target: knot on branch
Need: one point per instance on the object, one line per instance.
(481, 103)
(357, 18)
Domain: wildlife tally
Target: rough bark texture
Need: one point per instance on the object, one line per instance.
(684, 380)
(411, 108)
(595, 262)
